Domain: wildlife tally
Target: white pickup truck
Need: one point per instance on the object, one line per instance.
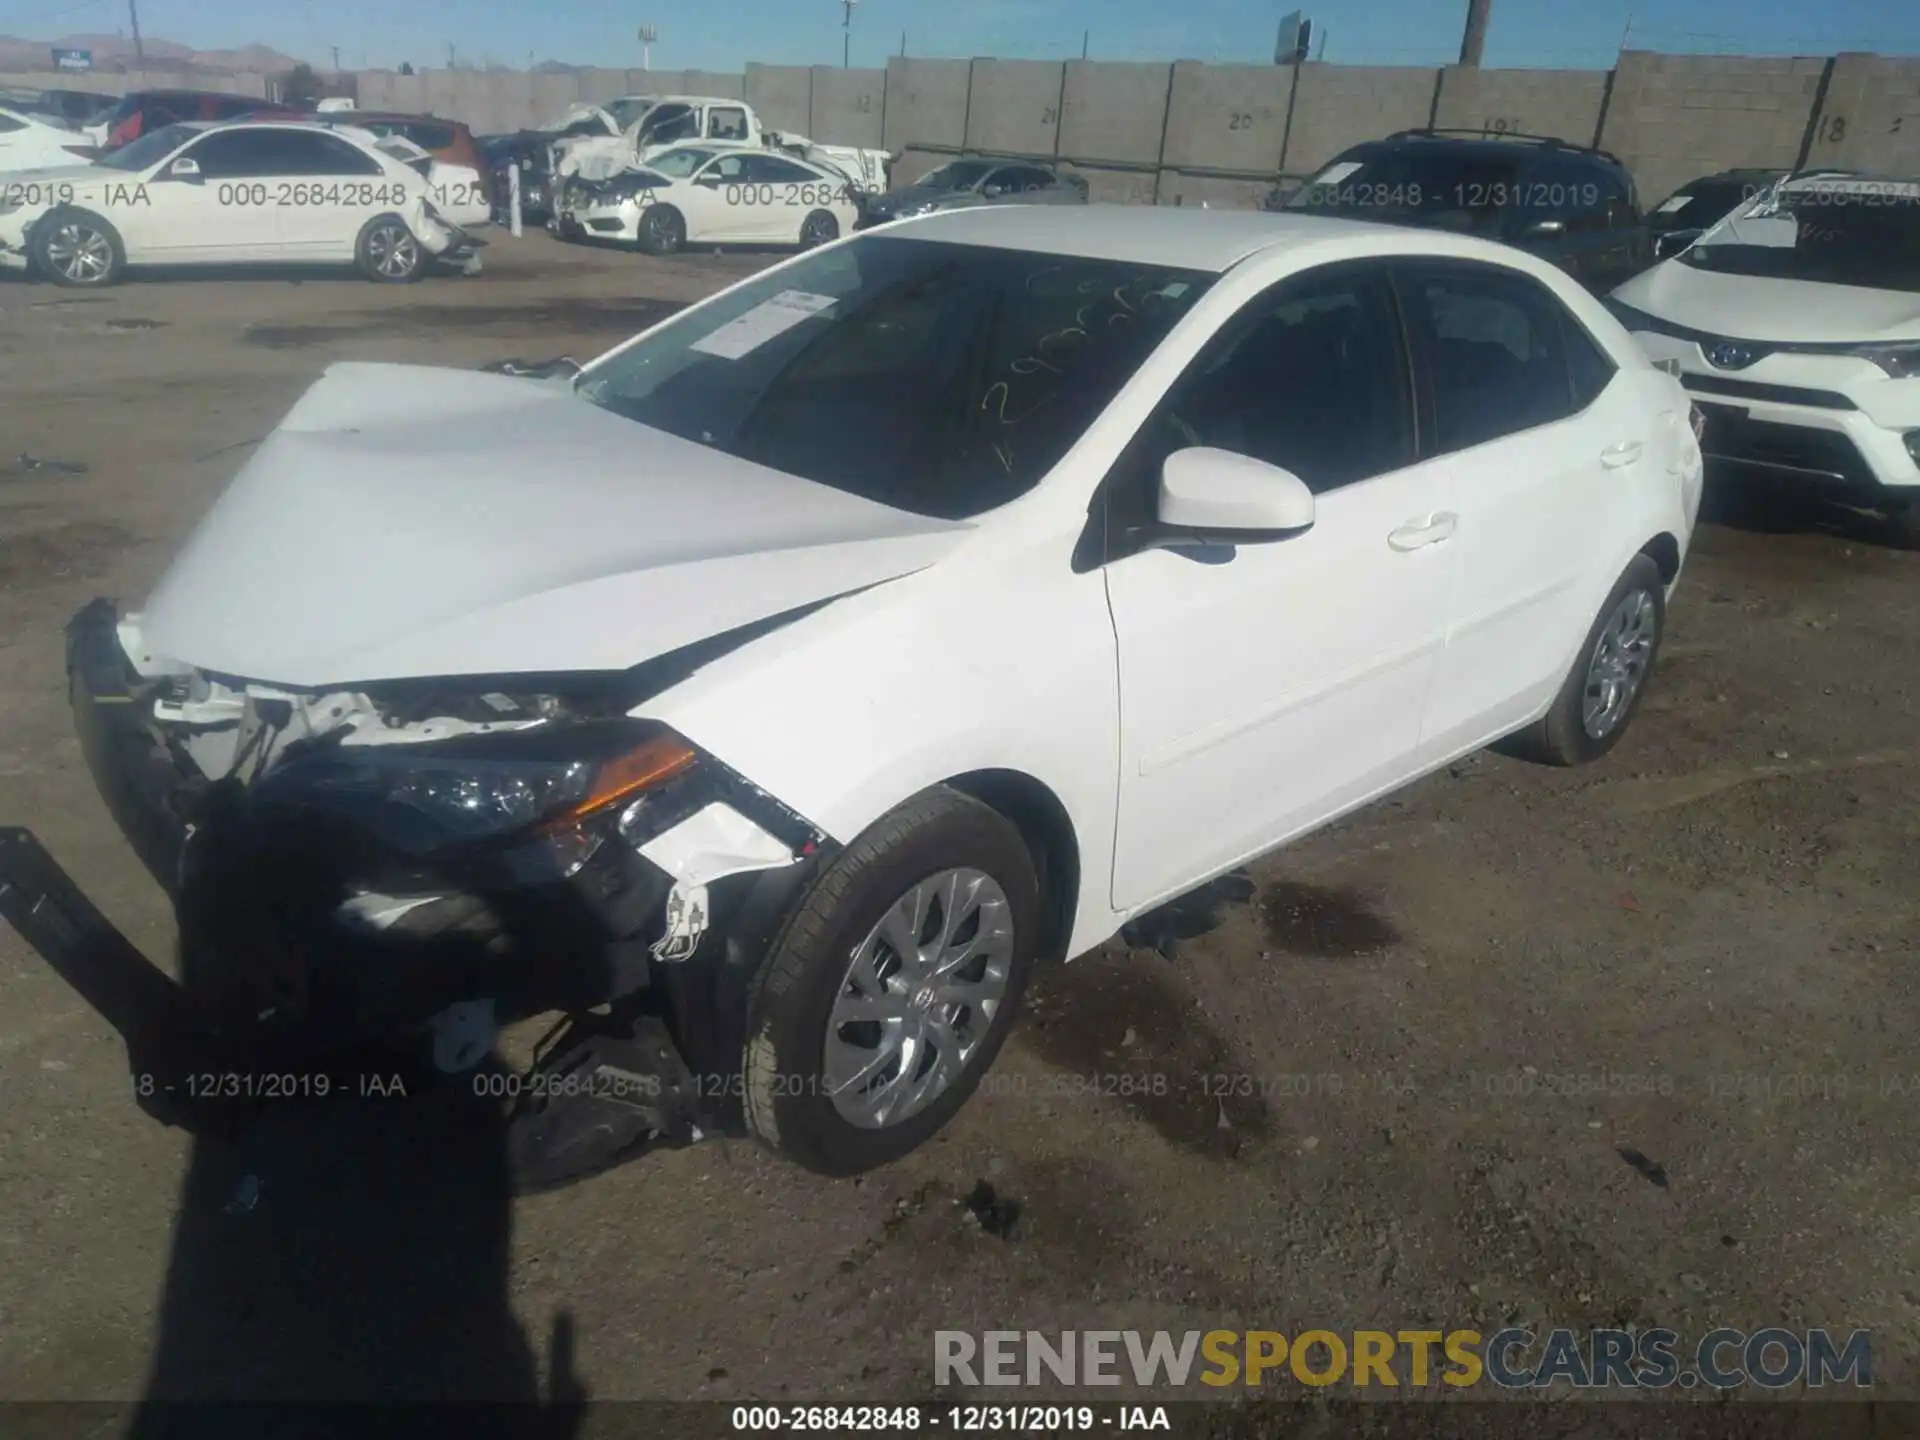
(659, 122)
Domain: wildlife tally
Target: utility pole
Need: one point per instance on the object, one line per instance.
(846, 27)
(1474, 42)
(648, 35)
(133, 14)
(1085, 36)
(336, 59)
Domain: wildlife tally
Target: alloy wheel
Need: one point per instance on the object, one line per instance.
(1618, 666)
(79, 252)
(919, 998)
(393, 251)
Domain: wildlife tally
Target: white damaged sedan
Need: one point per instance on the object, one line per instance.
(244, 192)
(772, 696)
(711, 195)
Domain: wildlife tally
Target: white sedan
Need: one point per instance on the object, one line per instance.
(31, 141)
(774, 694)
(711, 195)
(219, 194)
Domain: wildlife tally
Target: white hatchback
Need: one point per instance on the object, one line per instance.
(773, 695)
(711, 195)
(222, 194)
(1795, 323)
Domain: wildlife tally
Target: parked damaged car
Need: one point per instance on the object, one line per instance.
(696, 195)
(961, 184)
(771, 695)
(273, 192)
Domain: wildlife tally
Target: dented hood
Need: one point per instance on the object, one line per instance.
(407, 521)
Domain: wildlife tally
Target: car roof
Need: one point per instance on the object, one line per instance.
(198, 95)
(1176, 236)
(1487, 145)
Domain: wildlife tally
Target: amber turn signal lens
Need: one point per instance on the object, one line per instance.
(652, 762)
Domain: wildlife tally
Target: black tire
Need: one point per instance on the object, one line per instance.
(787, 1104)
(663, 230)
(1562, 736)
(388, 253)
(819, 228)
(1903, 525)
(79, 249)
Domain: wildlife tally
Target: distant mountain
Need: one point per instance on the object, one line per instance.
(114, 53)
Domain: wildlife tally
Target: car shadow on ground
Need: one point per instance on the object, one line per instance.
(1744, 500)
(257, 274)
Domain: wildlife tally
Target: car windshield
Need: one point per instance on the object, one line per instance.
(960, 175)
(150, 149)
(1452, 189)
(625, 112)
(678, 164)
(1863, 233)
(1700, 204)
(937, 378)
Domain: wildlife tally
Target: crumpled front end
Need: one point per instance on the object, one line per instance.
(16, 225)
(415, 868)
(441, 237)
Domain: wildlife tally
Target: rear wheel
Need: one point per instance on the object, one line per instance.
(387, 252)
(1903, 525)
(893, 987)
(78, 248)
(1608, 679)
(663, 231)
(819, 228)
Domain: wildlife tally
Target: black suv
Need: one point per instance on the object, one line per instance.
(1570, 204)
(1695, 207)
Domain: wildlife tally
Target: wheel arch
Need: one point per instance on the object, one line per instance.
(1664, 550)
(1046, 827)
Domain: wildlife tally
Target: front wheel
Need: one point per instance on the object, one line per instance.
(893, 987)
(662, 230)
(1609, 676)
(78, 248)
(387, 252)
(819, 228)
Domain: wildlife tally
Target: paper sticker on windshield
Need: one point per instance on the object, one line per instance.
(1334, 174)
(747, 333)
(1677, 202)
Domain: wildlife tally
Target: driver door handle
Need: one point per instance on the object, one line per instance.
(1428, 530)
(1627, 452)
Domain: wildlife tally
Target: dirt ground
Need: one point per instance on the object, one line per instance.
(1624, 1045)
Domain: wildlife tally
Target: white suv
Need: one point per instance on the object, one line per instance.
(804, 671)
(1795, 323)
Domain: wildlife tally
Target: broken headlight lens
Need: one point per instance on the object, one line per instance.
(1899, 361)
(476, 791)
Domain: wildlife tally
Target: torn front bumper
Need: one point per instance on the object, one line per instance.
(305, 935)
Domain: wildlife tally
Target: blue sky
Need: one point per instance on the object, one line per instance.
(722, 34)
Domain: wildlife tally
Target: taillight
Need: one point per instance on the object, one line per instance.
(127, 129)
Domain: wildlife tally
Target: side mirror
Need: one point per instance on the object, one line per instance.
(993, 192)
(1215, 497)
(1545, 229)
(185, 169)
(712, 182)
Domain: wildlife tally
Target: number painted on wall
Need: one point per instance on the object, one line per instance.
(1049, 115)
(863, 105)
(1239, 120)
(1833, 129)
(1499, 125)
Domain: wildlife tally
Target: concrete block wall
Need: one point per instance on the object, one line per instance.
(782, 95)
(848, 107)
(1674, 117)
(926, 102)
(1228, 117)
(1562, 103)
(1871, 116)
(1185, 132)
(1013, 106)
(1341, 105)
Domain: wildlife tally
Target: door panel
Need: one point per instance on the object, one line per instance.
(1524, 413)
(328, 189)
(1265, 686)
(226, 215)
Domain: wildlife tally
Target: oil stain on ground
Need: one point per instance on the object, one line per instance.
(581, 315)
(1321, 921)
(1120, 1030)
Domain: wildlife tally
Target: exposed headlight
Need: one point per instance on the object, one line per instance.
(1900, 362)
(487, 787)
